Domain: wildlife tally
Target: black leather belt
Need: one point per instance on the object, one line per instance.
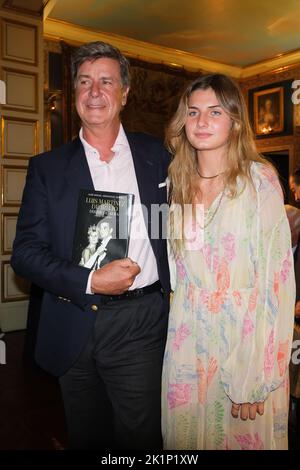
(135, 293)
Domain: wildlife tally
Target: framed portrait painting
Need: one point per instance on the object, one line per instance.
(270, 109)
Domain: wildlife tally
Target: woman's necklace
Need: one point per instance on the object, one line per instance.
(208, 177)
(214, 213)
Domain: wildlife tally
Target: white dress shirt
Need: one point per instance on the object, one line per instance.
(118, 175)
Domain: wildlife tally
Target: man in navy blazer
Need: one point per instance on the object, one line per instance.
(101, 332)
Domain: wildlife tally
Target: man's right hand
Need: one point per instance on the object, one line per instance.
(115, 278)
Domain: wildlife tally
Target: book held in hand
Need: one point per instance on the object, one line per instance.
(102, 227)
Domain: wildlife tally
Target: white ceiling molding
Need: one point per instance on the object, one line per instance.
(73, 34)
(48, 8)
(76, 35)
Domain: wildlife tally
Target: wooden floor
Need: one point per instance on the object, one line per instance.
(31, 410)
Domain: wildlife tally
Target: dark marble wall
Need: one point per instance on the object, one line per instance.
(153, 97)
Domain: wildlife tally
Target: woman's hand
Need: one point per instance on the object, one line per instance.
(247, 410)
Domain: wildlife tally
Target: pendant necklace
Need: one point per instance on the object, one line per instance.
(210, 219)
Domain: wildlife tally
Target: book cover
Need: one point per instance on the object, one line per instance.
(102, 227)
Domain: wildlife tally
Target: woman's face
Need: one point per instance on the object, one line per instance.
(207, 125)
(268, 105)
(93, 237)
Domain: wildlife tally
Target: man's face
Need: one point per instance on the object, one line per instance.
(100, 95)
(104, 230)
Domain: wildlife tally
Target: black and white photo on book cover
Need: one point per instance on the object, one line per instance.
(102, 227)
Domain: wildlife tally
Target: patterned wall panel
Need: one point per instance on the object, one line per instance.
(21, 118)
(21, 90)
(13, 288)
(19, 137)
(14, 34)
(13, 181)
(8, 232)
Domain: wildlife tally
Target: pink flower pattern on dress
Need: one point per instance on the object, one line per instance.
(212, 369)
(285, 270)
(269, 355)
(180, 335)
(180, 269)
(225, 444)
(253, 300)
(194, 236)
(206, 250)
(217, 298)
(202, 382)
(276, 285)
(228, 242)
(248, 326)
(282, 357)
(215, 301)
(205, 379)
(215, 263)
(204, 296)
(191, 296)
(212, 260)
(237, 297)
(249, 441)
(223, 276)
(271, 176)
(178, 395)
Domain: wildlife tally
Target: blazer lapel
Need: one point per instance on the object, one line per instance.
(145, 170)
(78, 173)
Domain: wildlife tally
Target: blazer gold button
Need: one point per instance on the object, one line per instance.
(94, 308)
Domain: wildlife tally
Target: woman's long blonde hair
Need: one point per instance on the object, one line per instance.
(241, 146)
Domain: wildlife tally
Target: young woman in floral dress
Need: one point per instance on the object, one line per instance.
(225, 377)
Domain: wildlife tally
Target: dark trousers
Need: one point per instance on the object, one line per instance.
(112, 394)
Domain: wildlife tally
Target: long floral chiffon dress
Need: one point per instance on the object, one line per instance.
(231, 324)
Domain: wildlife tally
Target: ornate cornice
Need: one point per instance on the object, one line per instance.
(278, 64)
(76, 35)
(73, 34)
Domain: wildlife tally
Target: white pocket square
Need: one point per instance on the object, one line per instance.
(162, 185)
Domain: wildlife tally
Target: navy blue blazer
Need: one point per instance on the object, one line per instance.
(42, 250)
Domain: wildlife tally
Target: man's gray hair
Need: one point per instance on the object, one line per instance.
(97, 50)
